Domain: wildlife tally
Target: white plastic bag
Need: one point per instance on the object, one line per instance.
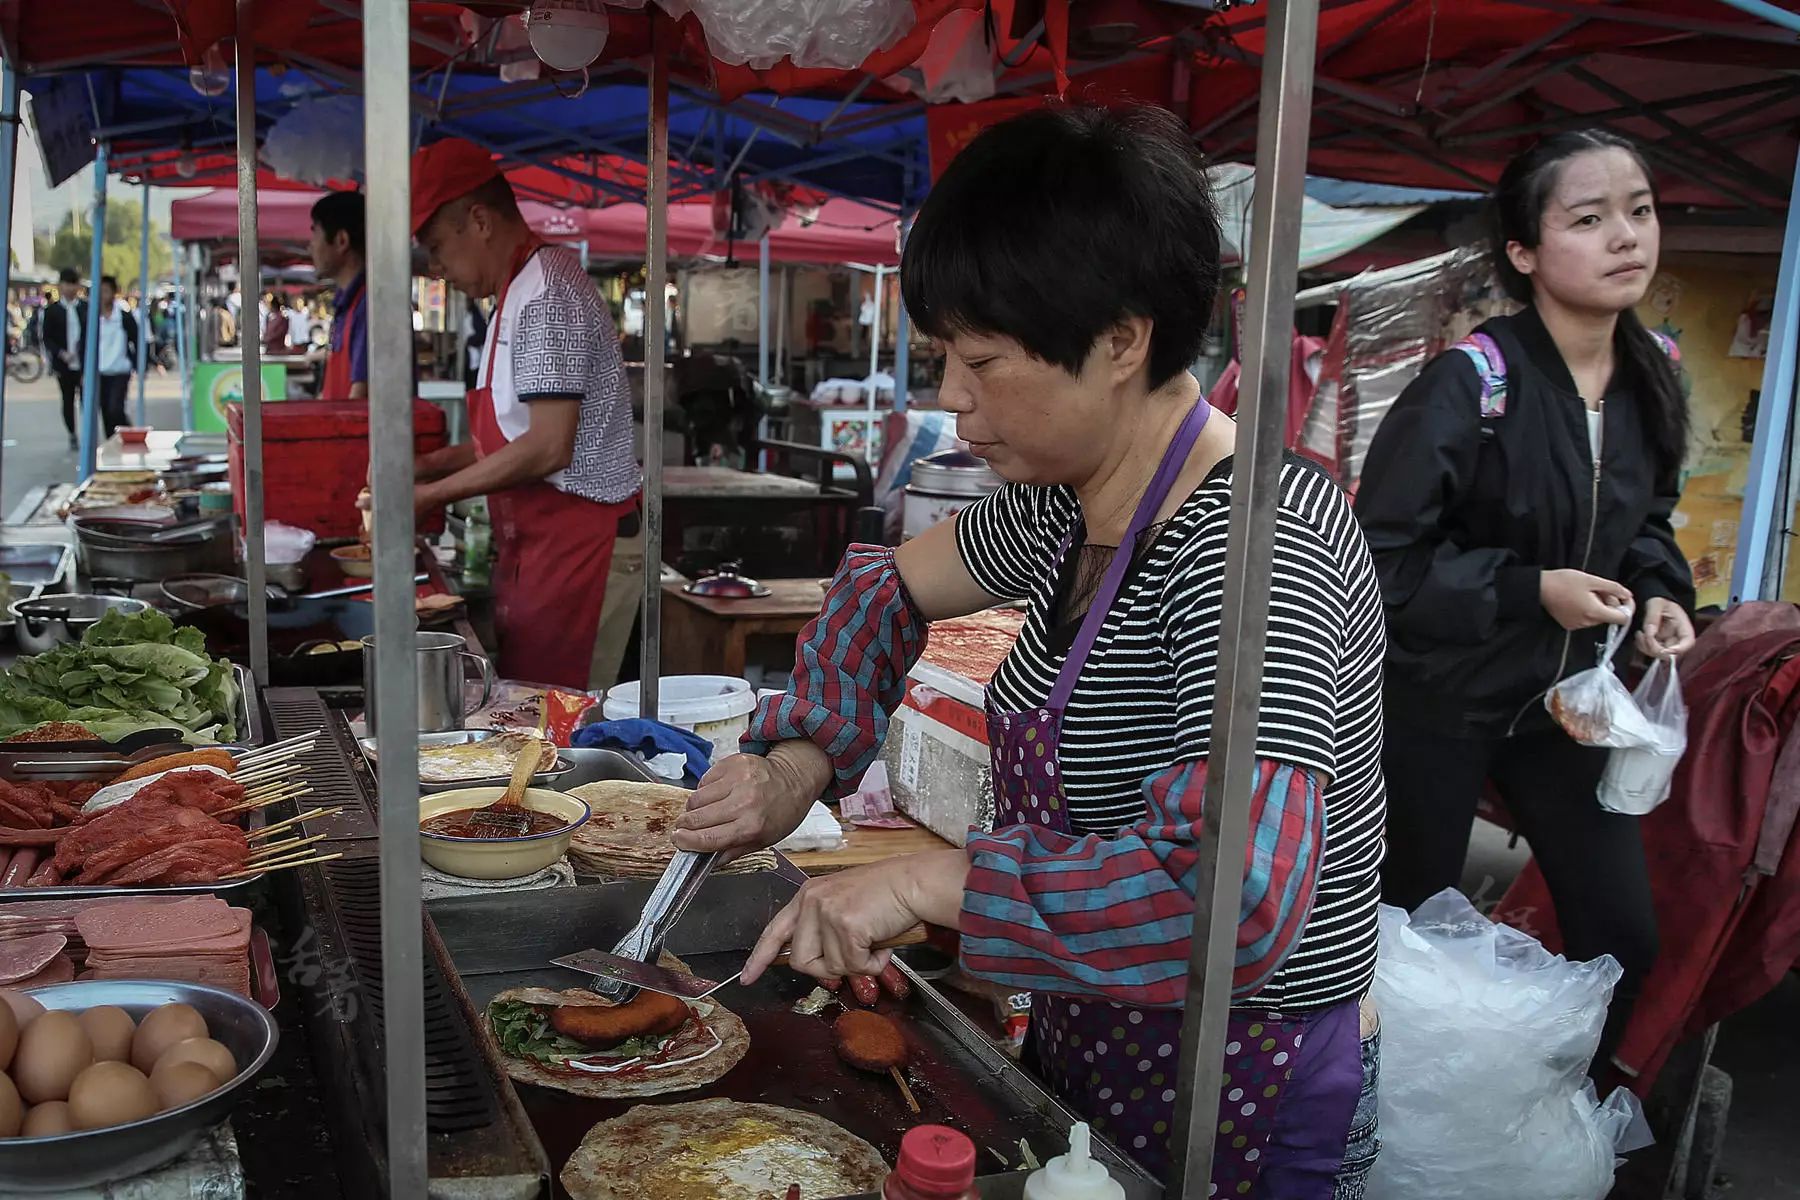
(1637, 777)
(1594, 707)
(810, 33)
(1486, 1039)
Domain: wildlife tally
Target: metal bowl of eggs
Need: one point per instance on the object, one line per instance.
(97, 1097)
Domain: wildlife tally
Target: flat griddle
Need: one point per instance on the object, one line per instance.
(500, 942)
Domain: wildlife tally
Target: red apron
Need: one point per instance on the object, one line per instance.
(336, 384)
(554, 551)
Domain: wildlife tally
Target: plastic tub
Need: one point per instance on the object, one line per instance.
(717, 707)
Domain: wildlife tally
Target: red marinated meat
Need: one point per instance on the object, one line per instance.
(203, 790)
(190, 862)
(116, 857)
(133, 816)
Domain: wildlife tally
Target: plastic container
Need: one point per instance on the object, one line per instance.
(1075, 1175)
(717, 707)
(936, 1163)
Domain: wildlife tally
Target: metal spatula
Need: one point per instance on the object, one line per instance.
(630, 974)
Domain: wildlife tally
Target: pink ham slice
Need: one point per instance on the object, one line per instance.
(131, 925)
(57, 970)
(22, 958)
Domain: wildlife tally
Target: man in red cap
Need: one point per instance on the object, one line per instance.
(550, 415)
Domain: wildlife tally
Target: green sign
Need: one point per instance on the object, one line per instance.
(217, 384)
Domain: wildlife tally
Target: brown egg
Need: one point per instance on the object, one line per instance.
(24, 1007)
(47, 1120)
(12, 1109)
(110, 1093)
(181, 1082)
(162, 1028)
(208, 1053)
(53, 1050)
(9, 1035)
(110, 1029)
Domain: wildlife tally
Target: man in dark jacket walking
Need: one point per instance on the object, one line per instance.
(64, 324)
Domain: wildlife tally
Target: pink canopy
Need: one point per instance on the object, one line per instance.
(845, 231)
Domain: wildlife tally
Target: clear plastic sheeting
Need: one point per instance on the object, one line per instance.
(1389, 323)
(1486, 1039)
(812, 33)
(317, 141)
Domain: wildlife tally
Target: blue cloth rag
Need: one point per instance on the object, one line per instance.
(648, 739)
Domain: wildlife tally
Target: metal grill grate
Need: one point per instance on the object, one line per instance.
(456, 1096)
(296, 711)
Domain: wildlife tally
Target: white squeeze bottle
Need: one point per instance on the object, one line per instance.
(1073, 1176)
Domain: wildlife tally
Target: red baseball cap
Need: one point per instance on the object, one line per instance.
(446, 171)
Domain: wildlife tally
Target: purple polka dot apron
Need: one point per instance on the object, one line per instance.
(1116, 1065)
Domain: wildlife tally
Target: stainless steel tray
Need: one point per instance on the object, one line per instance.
(460, 737)
(958, 1076)
(44, 563)
(26, 766)
(101, 1156)
(248, 720)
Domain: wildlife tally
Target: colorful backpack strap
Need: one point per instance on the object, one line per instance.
(1490, 364)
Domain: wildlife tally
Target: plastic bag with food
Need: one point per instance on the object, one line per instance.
(1594, 707)
(1637, 778)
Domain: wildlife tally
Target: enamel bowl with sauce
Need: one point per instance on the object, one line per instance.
(497, 857)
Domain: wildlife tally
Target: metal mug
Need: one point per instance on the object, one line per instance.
(442, 704)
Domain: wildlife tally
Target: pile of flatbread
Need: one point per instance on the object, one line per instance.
(720, 1150)
(628, 835)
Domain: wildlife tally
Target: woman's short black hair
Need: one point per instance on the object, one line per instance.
(1052, 227)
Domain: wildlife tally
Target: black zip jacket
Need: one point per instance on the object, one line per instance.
(1463, 514)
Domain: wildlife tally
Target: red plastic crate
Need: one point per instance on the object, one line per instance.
(316, 460)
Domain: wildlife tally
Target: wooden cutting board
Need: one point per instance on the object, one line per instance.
(865, 846)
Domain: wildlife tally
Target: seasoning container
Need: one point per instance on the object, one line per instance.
(936, 1163)
(942, 485)
(1075, 1175)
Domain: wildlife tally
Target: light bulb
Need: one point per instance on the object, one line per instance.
(184, 166)
(567, 34)
(210, 76)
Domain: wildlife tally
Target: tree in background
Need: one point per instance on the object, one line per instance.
(73, 245)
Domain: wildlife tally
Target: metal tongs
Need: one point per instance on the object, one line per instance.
(675, 891)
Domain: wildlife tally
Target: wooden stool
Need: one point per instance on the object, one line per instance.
(709, 635)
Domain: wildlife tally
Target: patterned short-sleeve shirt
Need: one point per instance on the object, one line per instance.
(555, 341)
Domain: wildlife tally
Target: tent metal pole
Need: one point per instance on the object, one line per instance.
(1768, 12)
(781, 325)
(902, 334)
(387, 147)
(1285, 110)
(90, 337)
(143, 313)
(656, 266)
(183, 318)
(9, 158)
(762, 311)
(1751, 575)
(250, 343)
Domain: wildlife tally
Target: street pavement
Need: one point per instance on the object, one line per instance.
(36, 445)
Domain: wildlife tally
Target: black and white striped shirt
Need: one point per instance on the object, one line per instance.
(1144, 698)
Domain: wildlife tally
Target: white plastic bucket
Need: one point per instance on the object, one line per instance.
(717, 707)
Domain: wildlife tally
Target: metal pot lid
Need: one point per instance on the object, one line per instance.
(75, 607)
(954, 472)
(727, 584)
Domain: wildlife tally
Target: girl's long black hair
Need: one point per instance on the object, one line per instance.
(1517, 214)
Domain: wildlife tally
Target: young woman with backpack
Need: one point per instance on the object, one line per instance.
(1517, 502)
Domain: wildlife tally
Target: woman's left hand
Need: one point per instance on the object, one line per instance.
(834, 921)
(1667, 632)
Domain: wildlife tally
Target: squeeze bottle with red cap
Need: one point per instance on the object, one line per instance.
(936, 1163)
(1073, 1176)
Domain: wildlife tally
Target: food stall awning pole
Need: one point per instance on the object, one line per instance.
(9, 155)
(902, 334)
(762, 311)
(1285, 111)
(1758, 572)
(186, 323)
(869, 389)
(656, 264)
(143, 313)
(387, 149)
(90, 336)
(256, 567)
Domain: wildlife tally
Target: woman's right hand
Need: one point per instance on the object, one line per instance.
(750, 801)
(1577, 600)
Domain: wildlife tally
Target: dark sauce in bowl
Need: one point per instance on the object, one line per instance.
(494, 821)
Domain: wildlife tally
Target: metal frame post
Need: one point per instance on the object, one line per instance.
(902, 334)
(874, 367)
(186, 323)
(781, 324)
(1755, 570)
(656, 266)
(1285, 111)
(256, 567)
(9, 158)
(388, 266)
(143, 315)
(90, 337)
(762, 311)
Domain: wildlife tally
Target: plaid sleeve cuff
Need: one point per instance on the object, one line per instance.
(850, 668)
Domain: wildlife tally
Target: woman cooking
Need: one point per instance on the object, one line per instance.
(1067, 262)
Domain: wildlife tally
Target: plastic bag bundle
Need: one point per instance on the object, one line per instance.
(1594, 707)
(317, 141)
(813, 33)
(1637, 778)
(1485, 1043)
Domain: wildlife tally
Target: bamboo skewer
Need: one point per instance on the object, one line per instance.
(911, 1101)
(276, 760)
(280, 860)
(266, 830)
(293, 787)
(264, 803)
(286, 748)
(301, 862)
(268, 774)
(274, 850)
